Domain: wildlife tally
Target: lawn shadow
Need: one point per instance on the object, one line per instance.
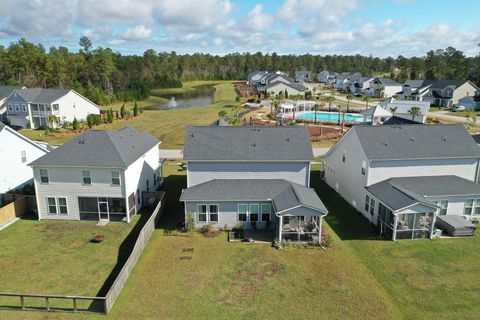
(345, 220)
(174, 213)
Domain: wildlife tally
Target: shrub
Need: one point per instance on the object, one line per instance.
(110, 116)
(123, 112)
(135, 109)
(90, 121)
(75, 124)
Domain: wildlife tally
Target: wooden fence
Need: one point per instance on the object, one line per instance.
(106, 303)
(140, 244)
(13, 210)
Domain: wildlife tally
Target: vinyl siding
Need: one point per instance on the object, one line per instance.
(73, 105)
(346, 177)
(228, 214)
(381, 170)
(200, 172)
(67, 183)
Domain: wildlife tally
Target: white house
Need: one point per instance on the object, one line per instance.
(361, 85)
(383, 88)
(400, 177)
(256, 177)
(16, 151)
(402, 108)
(31, 107)
(99, 175)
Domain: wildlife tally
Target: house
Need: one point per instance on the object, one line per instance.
(442, 93)
(256, 76)
(324, 76)
(400, 177)
(31, 107)
(99, 175)
(402, 108)
(291, 89)
(4, 93)
(383, 88)
(471, 103)
(16, 152)
(303, 76)
(342, 80)
(361, 85)
(376, 115)
(394, 120)
(255, 177)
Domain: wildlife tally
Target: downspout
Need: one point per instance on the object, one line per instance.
(395, 229)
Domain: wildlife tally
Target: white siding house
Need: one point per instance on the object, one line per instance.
(99, 175)
(31, 107)
(377, 165)
(16, 152)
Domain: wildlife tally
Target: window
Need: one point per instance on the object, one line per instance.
(367, 203)
(23, 155)
(62, 206)
(51, 206)
(364, 167)
(24, 107)
(266, 211)
(468, 207)
(443, 204)
(44, 176)
(138, 196)
(154, 179)
(372, 206)
(254, 210)
(477, 206)
(213, 212)
(116, 178)
(86, 178)
(242, 212)
(55, 107)
(148, 186)
(17, 107)
(202, 213)
(10, 107)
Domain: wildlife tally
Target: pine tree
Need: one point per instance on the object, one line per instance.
(135, 109)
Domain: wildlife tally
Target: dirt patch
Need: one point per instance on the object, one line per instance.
(245, 284)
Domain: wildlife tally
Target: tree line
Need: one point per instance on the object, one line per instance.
(105, 76)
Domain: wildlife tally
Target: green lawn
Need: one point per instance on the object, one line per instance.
(166, 125)
(359, 277)
(57, 257)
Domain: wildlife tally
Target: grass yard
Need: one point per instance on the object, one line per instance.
(57, 257)
(359, 277)
(166, 125)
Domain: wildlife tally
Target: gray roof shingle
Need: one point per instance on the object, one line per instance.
(416, 141)
(6, 90)
(39, 95)
(101, 148)
(284, 195)
(248, 144)
(398, 193)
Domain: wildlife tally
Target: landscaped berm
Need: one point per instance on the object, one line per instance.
(193, 277)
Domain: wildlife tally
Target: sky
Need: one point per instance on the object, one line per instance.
(368, 27)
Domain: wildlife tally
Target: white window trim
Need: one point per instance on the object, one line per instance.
(48, 206)
(89, 175)
(218, 213)
(199, 213)
(57, 206)
(119, 179)
(250, 211)
(472, 208)
(23, 155)
(246, 212)
(48, 176)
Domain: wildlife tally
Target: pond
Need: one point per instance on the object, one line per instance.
(200, 96)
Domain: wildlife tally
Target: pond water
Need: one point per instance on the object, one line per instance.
(200, 96)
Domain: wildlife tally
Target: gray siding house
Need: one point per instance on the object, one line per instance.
(256, 177)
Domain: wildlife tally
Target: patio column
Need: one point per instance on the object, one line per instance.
(432, 227)
(128, 210)
(320, 230)
(395, 228)
(280, 224)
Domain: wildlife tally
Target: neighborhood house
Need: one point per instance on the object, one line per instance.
(401, 177)
(99, 175)
(253, 177)
(31, 108)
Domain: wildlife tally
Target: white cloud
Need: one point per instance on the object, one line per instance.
(139, 32)
(258, 21)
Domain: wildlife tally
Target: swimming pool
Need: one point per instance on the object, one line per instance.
(329, 116)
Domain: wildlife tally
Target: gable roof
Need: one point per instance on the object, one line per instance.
(101, 148)
(296, 86)
(398, 121)
(39, 95)
(388, 82)
(248, 144)
(22, 137)
(416, 141)
(284, 195)
(404, 106)
(377, 111)
(399, 193)
(6, 90)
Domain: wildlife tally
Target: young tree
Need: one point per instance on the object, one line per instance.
(135, 109)
(52, 120)
(366, 98)
(75, 124)
(414, 111)
(110, 116)
(316, 108)
(86, 44)
(330, 100)
(90, 121)
(123, 112)
(393, 110)
(222, 114)
(349, 98)
(286, 94)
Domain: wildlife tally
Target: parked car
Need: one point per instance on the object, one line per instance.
(459, 108)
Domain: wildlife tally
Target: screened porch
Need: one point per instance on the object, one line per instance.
(300, 228)
(102, 209)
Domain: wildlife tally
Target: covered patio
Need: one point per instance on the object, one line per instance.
(103, 209)
(300, 228)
